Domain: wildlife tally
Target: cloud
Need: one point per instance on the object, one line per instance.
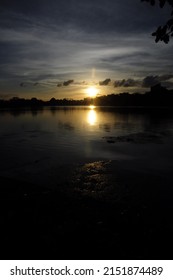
(22, 85)
(92, 16)
(59, 85)
(146, 82)
(150, 81)
(67, 83)
(126, 83)
(105, 82)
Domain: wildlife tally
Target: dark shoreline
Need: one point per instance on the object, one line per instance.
(157, 96)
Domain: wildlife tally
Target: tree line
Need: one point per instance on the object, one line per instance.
(157, 96)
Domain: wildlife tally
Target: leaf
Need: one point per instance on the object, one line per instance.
(162, 3)
(164, 30)
(163, 33)
(170, 2)
(158, 38)
(152, 2)
(166, 39)
(170, 22)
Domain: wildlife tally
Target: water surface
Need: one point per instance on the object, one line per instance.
(35, 143)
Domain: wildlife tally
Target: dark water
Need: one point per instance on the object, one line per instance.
(34, 143)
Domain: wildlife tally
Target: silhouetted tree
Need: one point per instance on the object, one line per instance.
(163, 33)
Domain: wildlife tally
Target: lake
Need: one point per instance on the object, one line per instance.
(34, 144)
(86, 181)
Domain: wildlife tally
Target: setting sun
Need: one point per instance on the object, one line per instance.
(92, 91)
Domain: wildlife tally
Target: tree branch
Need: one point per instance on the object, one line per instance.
(163, 33)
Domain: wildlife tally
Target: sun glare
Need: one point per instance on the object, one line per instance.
(92, 92)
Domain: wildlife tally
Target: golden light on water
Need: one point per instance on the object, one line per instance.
(92, 115)
(92, 92)
(91, 106)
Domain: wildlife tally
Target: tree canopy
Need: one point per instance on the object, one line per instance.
(165, 32)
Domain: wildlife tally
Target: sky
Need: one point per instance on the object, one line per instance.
(60, 48)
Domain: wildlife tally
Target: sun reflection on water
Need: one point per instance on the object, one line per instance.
(92, 107)
(92, 116)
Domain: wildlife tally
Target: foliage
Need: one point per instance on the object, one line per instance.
(163, 33)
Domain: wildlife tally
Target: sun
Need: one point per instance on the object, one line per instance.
(92, 92)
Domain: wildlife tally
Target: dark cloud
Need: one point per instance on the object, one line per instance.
(126, 83)
(150, 81)
(67, 83)
(105, 82)
(59, 85)
(22, 85)
(147, 82)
